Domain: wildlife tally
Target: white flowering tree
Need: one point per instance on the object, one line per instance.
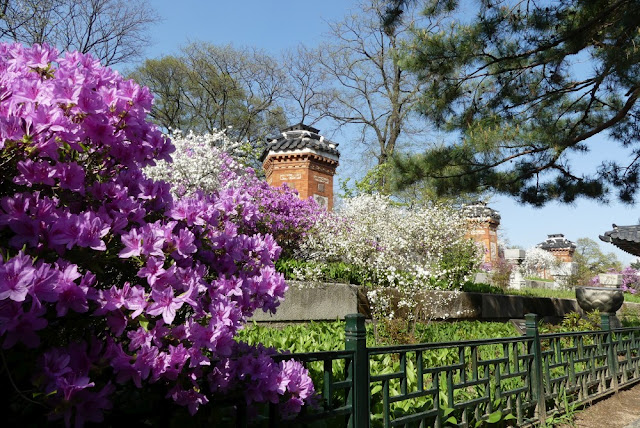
(394, 248)
(199, 160)
(537, 261)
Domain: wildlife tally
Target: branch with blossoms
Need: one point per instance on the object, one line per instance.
(537, 261)
(113, 292)
(394, 249)
(200, 163)
(207, 164)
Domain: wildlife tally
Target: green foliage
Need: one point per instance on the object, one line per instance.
(629, 318)
(208, 87)
(573, 321)
(325, 272)
(512, 83)
(481, 287)
(537, 278)
(372, 182)
(330, 336)
(501, 273)
(382, 179)
(589, 260)
(534, 292)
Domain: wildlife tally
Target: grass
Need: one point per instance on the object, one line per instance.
(537, 278)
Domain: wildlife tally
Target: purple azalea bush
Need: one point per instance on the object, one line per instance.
(116, 298)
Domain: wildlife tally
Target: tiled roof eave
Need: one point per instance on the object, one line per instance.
(627, 238)
(316, 155)
(630, 247)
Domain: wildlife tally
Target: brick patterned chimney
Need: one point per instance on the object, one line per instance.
(483, 228)
(305, 160)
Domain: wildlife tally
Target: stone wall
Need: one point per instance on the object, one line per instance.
(502, 307)
(330, 301)
(314, 302)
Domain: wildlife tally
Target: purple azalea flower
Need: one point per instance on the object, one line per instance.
(184, 243)
(153, 240)
(152, 270)
(70, 384)
(91, 405)
(136, 301)
(35, 173)
(66, 231)
(190, 398)
(165, 303)
(71, 296)
(71, 176)
(23, 327)
(44, 283)
(17, 276)
(139, 338)
(132, 244)
(92, 231)
(55, 364)
(88, 140)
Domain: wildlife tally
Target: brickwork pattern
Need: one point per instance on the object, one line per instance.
(311, 174)
(486, 234)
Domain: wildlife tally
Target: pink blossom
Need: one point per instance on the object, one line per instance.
(131, 284)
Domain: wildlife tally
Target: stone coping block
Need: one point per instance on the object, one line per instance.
(610, 279)
(514, 254)
(313, 302)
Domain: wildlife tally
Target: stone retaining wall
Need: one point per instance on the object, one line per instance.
(328, 302)
(501, 307)
(314, 302)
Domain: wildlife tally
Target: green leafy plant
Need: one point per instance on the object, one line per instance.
(481, 287)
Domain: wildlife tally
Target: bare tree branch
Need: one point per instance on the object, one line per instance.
(114, 31)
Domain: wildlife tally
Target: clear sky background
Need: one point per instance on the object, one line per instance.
(277, 25)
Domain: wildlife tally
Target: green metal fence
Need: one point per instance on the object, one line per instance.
(520, 380)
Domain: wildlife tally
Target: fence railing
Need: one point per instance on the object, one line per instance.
(520, 380)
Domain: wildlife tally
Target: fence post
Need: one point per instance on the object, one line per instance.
(612, 356)
(356, 341)
(537, 375)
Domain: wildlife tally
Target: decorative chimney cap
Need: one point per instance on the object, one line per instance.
(478, 210)
(556, 241)
(299, 138)
(301, 127)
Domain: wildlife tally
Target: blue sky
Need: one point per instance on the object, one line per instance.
(276, 25)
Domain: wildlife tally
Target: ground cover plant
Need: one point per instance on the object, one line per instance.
(117, 299)
(448, 352)
(321, 336)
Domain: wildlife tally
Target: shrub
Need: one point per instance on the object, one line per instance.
(113, 294)
(391, 247)
(500, 273)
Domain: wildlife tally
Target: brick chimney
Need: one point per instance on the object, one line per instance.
(305, 160)
(483, 228)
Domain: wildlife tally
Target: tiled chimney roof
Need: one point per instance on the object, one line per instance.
(479, 210)
(300, 137)
(556, 241)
